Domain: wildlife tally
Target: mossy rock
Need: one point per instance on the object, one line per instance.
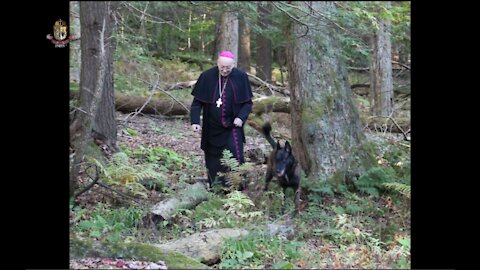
(80, 248)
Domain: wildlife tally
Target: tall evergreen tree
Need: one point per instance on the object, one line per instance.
(326, 131)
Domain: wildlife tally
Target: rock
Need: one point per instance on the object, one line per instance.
(203, 246)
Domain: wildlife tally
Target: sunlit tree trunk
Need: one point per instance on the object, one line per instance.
(75, 54)
(228, 33)
(381, 70)
(327, 135)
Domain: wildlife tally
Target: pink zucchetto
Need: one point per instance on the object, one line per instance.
(226, 58)
(227, 54)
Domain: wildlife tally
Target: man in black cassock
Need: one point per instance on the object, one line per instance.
(225, 95)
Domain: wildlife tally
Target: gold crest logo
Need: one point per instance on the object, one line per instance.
(60, 31)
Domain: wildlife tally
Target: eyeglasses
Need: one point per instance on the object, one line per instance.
(226, 68)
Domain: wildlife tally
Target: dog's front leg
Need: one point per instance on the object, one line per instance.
(296, 200)
(268, 178)
(284, 206)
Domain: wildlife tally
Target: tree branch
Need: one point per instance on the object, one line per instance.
(400, 64)
(146, 102)
(405, 137)
(89, 186)
(168, 94)
(161, 21)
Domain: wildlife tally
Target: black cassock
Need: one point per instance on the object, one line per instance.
(218, 130)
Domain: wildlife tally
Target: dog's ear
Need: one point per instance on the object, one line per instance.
(288, 148)
(278, 145)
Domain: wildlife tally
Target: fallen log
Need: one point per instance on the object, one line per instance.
(363, 89)
(388, 124)
(170, 107)
(164, 106)
(186, 199)
(271, 104)
(255, 81)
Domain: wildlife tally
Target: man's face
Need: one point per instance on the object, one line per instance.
(225, 67)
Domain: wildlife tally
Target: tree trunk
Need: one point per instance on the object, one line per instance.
(96, 77)
(327, 135)
(264, 44)
(381, 70)
(75, 53)
(104, 121)
(228, 33)
(280, 59)
(244, 46)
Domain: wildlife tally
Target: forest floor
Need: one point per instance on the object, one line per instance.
(147, 132)
(175, 133)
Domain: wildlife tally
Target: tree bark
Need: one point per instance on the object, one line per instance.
(96, 27)
(75, 53)
(327, 135)
(381, 70)
(244, 45)
(228, 36)
(264, 44)
(105, 123)
(188, 199)
(92, 16)
(163, 106)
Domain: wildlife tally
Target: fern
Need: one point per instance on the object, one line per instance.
(238, 206)
(234, 176)
(403, 189)
(373, 180)
(120, 172)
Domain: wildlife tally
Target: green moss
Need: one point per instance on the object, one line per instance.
(95, 152)
(366, 153)
(336, 80)
(212, 208)
(74, 87)
(338, 177)
(139, 251)
(80, 248)
(267, 104)
(310, 115)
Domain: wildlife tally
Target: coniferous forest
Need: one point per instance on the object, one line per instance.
(332, 79)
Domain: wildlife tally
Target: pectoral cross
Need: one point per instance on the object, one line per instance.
(219, 102)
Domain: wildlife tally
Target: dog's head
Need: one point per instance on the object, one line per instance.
(283, 159)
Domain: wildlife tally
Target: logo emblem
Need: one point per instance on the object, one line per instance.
(60, 31)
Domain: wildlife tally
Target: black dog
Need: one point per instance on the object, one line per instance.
(283, 165)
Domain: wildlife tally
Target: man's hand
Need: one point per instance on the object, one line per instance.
(238, 122)
(196, 127)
